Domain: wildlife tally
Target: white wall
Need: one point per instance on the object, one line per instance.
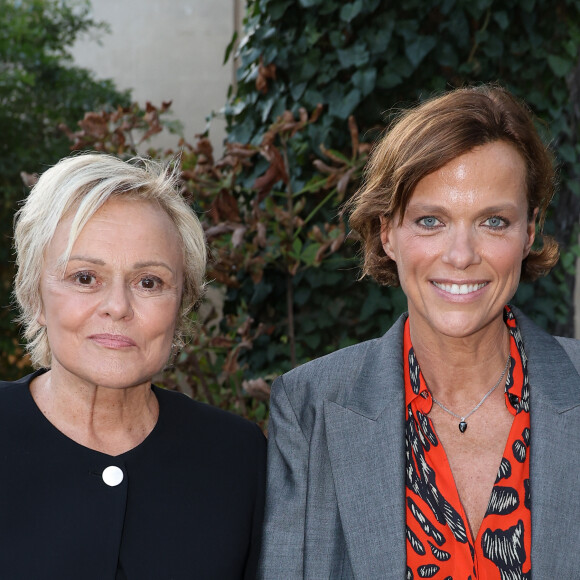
(167, 50)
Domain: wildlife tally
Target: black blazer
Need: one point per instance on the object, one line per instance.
(190, 504)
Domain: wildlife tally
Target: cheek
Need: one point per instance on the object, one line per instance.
(159, 320)
(506, 258)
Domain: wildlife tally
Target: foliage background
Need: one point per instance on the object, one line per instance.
(39, 91)
(318, 81)
(288, 263)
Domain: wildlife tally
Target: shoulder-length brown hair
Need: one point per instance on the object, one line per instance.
(424, 139)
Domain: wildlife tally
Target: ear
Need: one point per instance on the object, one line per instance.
(41, 319)
(386, 233)
(530, 233)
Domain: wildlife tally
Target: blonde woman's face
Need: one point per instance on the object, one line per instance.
(110, 319)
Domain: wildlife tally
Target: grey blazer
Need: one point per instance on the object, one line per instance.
(336, 487)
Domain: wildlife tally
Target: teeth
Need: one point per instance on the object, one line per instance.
(459, 288)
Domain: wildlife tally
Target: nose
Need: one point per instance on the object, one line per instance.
(461, 250)
(116, 301)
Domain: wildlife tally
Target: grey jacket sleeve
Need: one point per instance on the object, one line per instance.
(283, 539)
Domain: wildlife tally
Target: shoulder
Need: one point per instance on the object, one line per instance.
(335, 375)
(543, 344)
(18, 387)
(22, 382)
(206, 421)
(572, 348)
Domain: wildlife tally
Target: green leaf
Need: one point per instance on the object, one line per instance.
(365, 80)
(356, 55)
(310, 3)
(329, 7)
(493, 47)
(277, 9)
(502, 18)
(560, 66)
(528, 5)
(419, 48)
(230, 47)
(261, 292)
(296, 247)
(447, 56)
(574, 186)
(447, 6)
(312, 340)
(297, 90)
(309, 254)
(343, 107)
(389, 79)
(567, 152)
(350, 11)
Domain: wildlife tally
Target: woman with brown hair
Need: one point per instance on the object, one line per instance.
(443, 449)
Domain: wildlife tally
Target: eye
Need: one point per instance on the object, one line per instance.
(428, 222)
(84, 278)
(150, 283)
(495, 222)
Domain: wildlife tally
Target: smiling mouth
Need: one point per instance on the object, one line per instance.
(459, 288)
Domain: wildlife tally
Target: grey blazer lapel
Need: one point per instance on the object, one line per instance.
(554, 455)
(366, 447)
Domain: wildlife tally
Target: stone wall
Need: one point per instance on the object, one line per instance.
(167, 50)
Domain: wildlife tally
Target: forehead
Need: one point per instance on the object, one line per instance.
(494, 172)
(119, 228)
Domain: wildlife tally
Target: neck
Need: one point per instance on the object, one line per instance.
(459, 370)
(109, 420)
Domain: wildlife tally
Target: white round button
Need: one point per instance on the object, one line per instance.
(113, 475)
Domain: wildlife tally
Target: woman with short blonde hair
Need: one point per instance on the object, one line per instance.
(104, 475)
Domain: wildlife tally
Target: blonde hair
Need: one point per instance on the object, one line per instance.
(424, 139)
(80, 185)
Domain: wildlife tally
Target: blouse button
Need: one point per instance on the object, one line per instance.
(112, 475)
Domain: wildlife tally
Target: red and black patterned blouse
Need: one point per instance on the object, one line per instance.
(439, 541)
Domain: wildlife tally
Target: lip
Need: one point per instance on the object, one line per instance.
(460, 288)
(115, 341)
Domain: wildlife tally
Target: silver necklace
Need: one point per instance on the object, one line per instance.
(463, 419)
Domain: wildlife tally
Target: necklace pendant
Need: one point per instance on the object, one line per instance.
(462, 426)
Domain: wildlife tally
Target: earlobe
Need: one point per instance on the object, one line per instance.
(41, 318)
(531, 233)
(386, 237)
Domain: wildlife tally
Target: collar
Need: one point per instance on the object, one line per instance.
(517, 392)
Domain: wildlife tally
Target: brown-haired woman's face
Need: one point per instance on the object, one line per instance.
(460, 246)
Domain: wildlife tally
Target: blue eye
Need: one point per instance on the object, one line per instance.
(428, 222)
(495, 222)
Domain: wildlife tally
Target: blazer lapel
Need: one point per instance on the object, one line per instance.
(366, 446)
(554, 453)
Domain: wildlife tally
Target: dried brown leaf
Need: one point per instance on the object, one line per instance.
(95, 125)
(324, 168)
(238, 236)
(332, 156)
(265, 73)
(257, 388)
(353, 128)
(343, 182)
(29, 179)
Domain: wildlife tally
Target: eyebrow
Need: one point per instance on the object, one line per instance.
(136, 266)
(429, 208)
